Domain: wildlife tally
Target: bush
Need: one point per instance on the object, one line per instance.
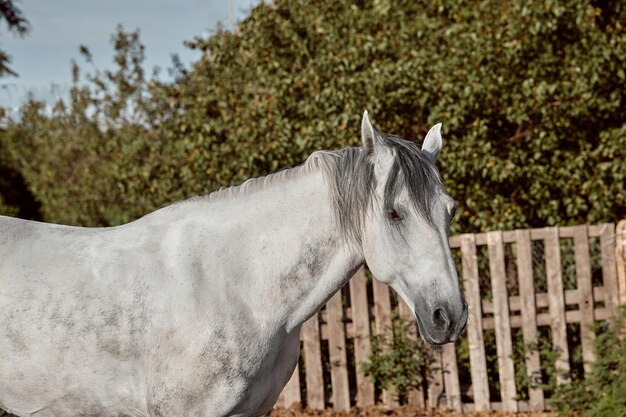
(531, 96)
(603, 392)
(398, 361)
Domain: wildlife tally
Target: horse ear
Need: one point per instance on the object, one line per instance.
(371, 139)
(433, 142)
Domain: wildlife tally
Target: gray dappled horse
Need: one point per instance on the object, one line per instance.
(196, 309)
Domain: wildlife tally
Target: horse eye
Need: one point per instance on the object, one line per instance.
(453, 212)
(393, 214)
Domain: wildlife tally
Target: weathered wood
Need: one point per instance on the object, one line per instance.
(291, 392)
(529, 319)
(435, 378)
(415, 396)
(620, 259)
(504, 343)
(382, 327)
(382, 308)
(557, 304)
(337, 354)
(362, 344)
(497, 406)
(597, 230)
(609, 272)
(541, 299)
(585, 294)
(313, 363)
(544, 319)
(451, 378)
(522, 310)
(478, 362)
(535, 234)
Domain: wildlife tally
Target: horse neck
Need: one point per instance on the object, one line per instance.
(291, 251)
(310, 260)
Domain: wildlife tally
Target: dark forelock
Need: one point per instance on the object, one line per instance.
(353, 182)
(413, 170)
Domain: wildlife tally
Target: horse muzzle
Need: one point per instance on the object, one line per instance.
(443, 323)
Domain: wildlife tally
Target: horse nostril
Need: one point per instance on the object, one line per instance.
(440, 319)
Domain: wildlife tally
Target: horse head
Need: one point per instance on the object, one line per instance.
(406, 229)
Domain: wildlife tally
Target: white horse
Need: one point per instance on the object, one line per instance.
(196, 309)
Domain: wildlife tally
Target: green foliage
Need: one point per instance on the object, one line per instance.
(5, 208)
(397, 360)
(603, 392)
(100, 159)
(546, 381)
(531, 96)
(527, 131)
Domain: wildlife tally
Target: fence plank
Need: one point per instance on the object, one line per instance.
(435, 378)
(382, 325)
(504, 344)
(382, 307)
(544, 319)
(585, 294)
(620, 259)
(313, 363)
(291, 392)
(337, 354)
(415, 396)
(529, 319)
(609, 273)
(542, 301)
(478, 362)
(556, 301)
(451, 378)
(362, 345)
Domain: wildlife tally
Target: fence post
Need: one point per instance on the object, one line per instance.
(504, 343)
(362, 346)
(435, 377)
(451, 378)
(383, 326)
(556, 301)
(608, 250)
(313, 363)
(415, 396)
(585, 295)
(478, 361)
(620, 259)
(529, 317)
(337, 353)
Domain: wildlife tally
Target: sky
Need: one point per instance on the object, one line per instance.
(42, 58)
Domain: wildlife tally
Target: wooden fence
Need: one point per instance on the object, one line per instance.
(530, 279)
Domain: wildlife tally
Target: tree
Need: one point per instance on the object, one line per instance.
(16, 23)
(531, 96)
(15, 198)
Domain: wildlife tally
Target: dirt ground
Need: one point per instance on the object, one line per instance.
(297, 411)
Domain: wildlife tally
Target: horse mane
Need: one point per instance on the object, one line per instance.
(349, 173)
(352, 180)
